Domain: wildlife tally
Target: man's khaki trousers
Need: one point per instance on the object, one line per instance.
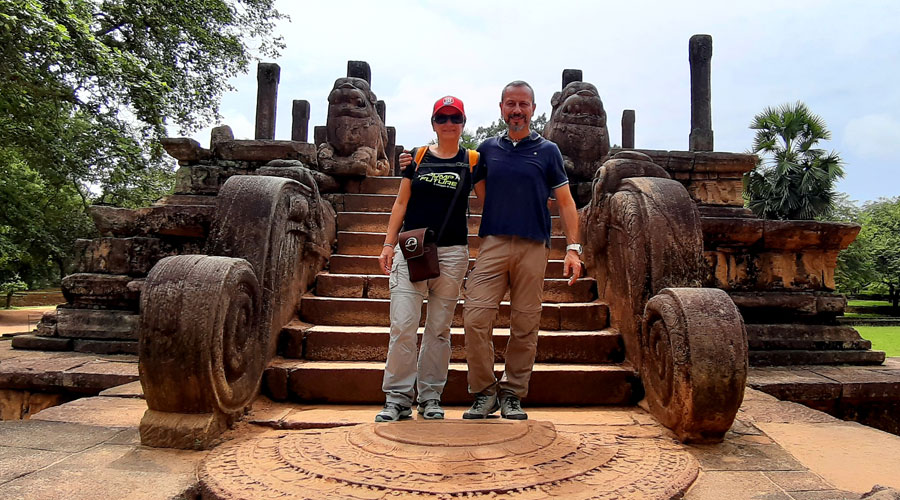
(504, 263)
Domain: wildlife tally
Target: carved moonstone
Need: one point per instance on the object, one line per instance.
(450, 460)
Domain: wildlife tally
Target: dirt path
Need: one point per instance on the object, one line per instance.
(21, 320)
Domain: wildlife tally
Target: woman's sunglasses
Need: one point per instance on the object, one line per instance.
(442, 119)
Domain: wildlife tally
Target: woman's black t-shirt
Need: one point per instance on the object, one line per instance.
(433, 186)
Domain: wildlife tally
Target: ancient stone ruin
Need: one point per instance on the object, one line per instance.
(260, 274)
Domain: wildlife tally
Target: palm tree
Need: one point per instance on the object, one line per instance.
(793, 179)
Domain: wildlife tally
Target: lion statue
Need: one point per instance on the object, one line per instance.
(578, 126)
(355, 134)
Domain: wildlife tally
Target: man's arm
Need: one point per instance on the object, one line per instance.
(479, 189)
(569, 215)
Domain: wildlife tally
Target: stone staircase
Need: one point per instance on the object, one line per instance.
(336, 351)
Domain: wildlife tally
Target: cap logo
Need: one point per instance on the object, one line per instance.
(411, 244)
(448, 101)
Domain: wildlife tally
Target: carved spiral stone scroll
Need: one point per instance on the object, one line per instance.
(694, 361)
(450, 460)
(258, 219)
(643, 238)
(209, 322)
(201, 349)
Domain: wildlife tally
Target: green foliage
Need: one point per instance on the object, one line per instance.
(872, 261)
(9, 286)
(794, 180)
(88, 88)
(880, 235)
(498, 127)
(884, 338)
(40, 219)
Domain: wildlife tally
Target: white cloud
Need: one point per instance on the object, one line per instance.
(874, 137)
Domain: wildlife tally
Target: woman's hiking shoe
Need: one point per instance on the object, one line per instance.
(431, 410)
(484, 405)
(393, 412)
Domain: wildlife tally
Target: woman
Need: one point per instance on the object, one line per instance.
(427, 198)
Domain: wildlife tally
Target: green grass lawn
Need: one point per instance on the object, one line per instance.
(867, 303)
(884, 338)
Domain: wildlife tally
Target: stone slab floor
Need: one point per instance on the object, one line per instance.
(89, 448)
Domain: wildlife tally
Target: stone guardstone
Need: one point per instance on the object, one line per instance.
(424, 459)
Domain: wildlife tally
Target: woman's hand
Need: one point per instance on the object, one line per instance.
(386, 259)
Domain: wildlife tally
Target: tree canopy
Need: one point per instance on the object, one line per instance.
(872, 262)
(794, 179)
(88, 88)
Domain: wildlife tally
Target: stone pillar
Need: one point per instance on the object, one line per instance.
(320, 135)
(360, 69)
(267, 77)
(700, 55)
(628, 129)
(381, 109)
(398, 150)
(571, 75)
(389, 147)
(300, 121)
(219, 135)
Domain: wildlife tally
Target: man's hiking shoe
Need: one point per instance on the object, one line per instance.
(511, 407)
(392, 412)
(483, 406)
(431, 410)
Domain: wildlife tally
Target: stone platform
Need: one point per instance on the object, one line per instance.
(89, 448)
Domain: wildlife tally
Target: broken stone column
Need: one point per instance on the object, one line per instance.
(700, 55)
(628, 129)
(359, 69)
(570, 75)
(391, 144)
(381, 109)
(320, 135)
(300, 120)
(267, 77)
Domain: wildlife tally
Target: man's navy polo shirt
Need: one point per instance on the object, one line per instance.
(519, 181)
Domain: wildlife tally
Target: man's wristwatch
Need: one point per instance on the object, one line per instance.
(576, 247)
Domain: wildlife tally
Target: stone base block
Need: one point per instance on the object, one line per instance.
(186, 431)
(40, 343)
(97, 324)
(105, 346)
(102, 291)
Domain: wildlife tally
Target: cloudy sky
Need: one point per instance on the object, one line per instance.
(840, 58)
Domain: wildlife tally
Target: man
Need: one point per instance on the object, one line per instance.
(516, 176)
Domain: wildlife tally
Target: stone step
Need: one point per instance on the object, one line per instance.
(374, 222)
(370, 343)
(376, 287)
(365, 202)
(377, 185)
(804, 337)
(384, 202)
(786, 357)
(360, 382)
(362, 243)
(368, 264)
(376, 312)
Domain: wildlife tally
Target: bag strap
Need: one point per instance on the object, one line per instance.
(473, 158)
(420, 153)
